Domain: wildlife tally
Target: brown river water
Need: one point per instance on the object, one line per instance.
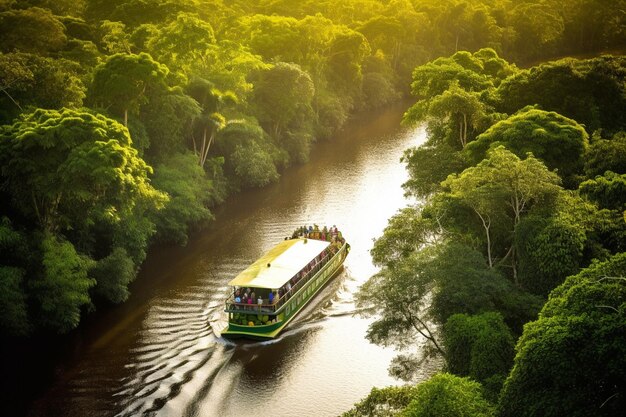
(158, 354)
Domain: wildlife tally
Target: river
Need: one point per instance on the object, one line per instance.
(157, 354)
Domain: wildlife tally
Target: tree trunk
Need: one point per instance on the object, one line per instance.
(487, 226)
(200, 160)
(126, 117)
(206, 151)
(463, 131)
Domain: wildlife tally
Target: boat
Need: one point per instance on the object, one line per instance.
(293, 271)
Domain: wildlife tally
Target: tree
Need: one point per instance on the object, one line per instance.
(461, 108)
(448, 395)
(383, 402)
(69, 170)
(481, 347)
(589, 91)
(398, 296)
(63, 289)
(282, 100)
(14, 318)
(606, 155)
(112, 275)
(183, 43)
(31, 80)
(416, 293)
(571, 360)
(538, 27)
(549, 249)
(346, 53)
(429, 166)
(33, 30)
(115, 38)
(210, 120)
(465, 284)
(609, 190)
(503, 182)
(168, 119)
(556, 140)
(189, 193)
(123, 83)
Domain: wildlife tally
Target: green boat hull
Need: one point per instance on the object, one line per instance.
(293, 306)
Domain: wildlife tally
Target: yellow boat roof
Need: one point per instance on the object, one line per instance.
(286, 259)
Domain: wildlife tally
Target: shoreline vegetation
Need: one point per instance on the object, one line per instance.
(124, 123)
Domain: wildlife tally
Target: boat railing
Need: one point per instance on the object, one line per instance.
(232, 306)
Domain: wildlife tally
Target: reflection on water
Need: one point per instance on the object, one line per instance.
(158, 355)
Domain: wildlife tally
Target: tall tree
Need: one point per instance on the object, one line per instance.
(67, 169)
(554, 139)
(211, 119)
(571, 360)
(503, 184)
(122, 83)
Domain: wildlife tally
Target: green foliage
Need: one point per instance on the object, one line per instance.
(609, 190)
(500, 190)
(13, 308)
(114, 37)
(123, 83)
(383, 402)
(481, 347)
(606, 155)
(63, 289)
(282, 99)
(429, 166)
(406, 232)
(466, 285)
(31, 80)
(550, 249)
(66, 170)
(453, 95)
(112, 275)
(189, 192)
(33, 30)
(556, 140)
(448, 395)
(571, 360)
(14, 318)
(253, 166)
(183, 41)
(397, 295)
(589, 91)
(168, 120)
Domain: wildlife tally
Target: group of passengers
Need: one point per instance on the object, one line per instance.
(314, 232)
(249, 299)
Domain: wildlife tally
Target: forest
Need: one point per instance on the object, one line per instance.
(124, 123)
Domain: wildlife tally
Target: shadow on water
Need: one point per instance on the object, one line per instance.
(157, 355)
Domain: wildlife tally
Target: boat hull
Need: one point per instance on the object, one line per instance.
(294, 305)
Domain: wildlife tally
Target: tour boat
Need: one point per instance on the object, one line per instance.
(293, 271)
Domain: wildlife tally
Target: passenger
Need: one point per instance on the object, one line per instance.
(271, 297)
(260, 302)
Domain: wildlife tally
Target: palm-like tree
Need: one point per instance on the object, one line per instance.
(211, 120)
